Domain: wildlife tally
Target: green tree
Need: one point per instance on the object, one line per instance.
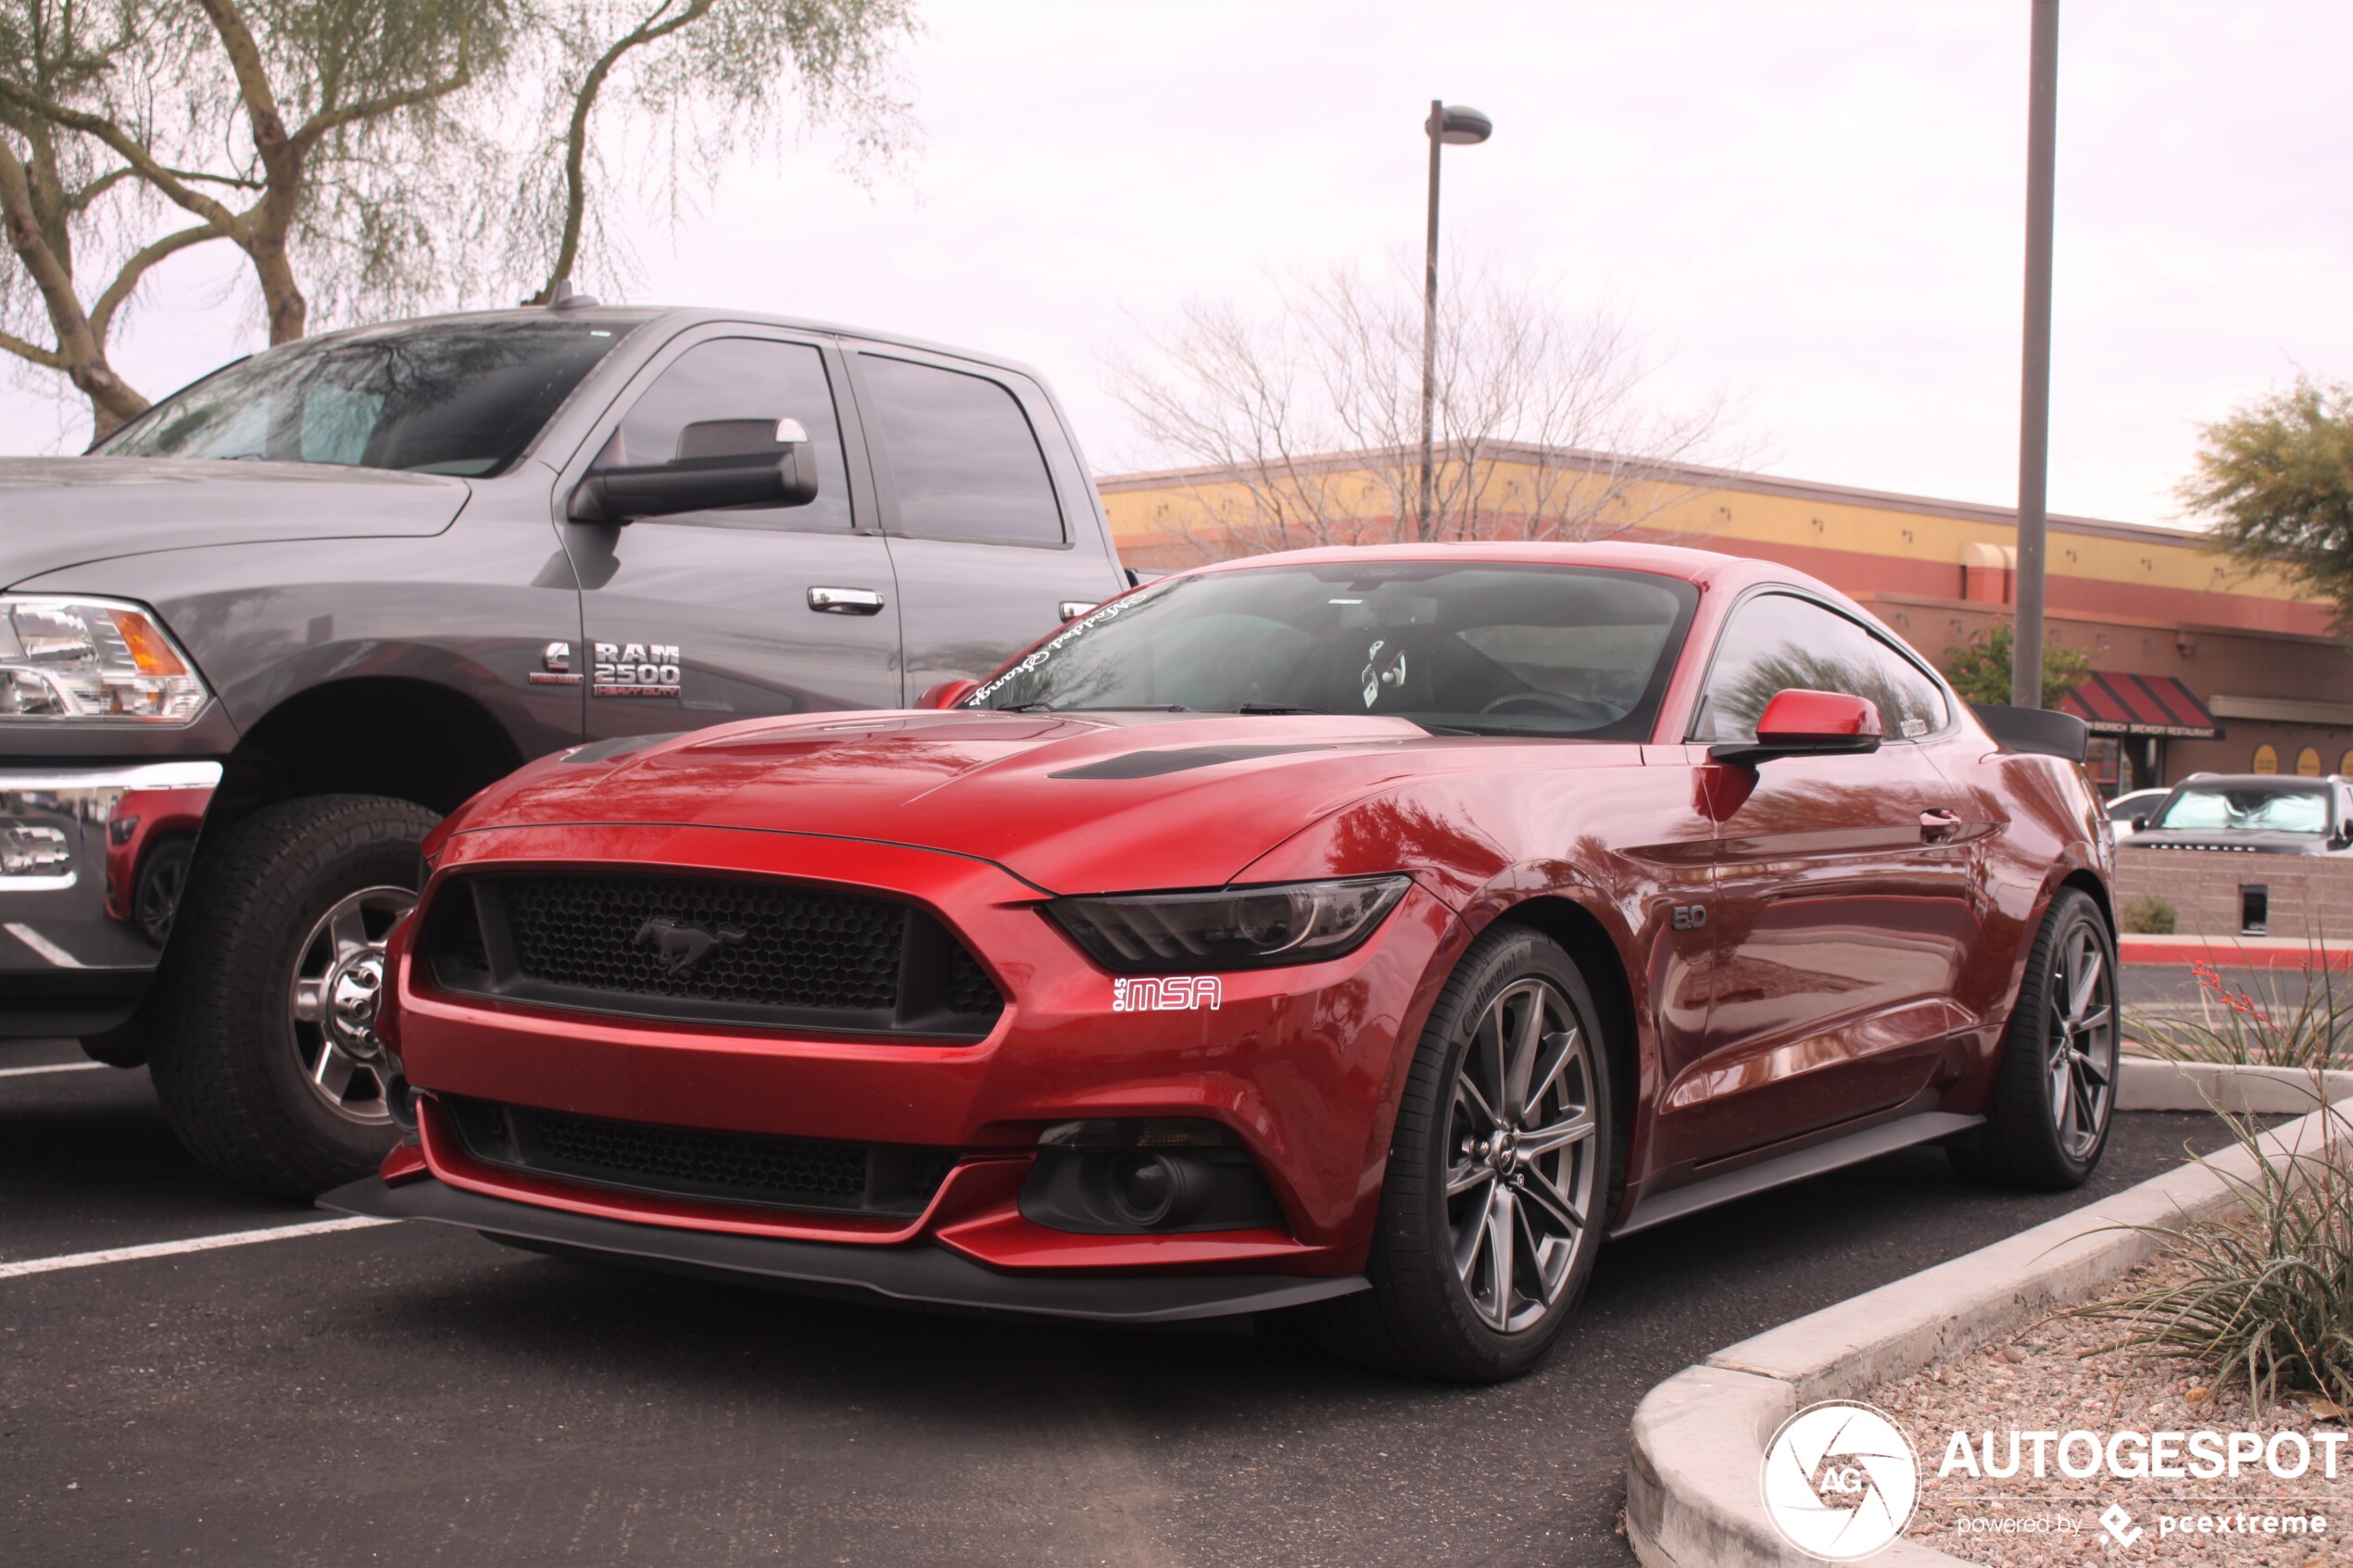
(715, 77)
(2277, 478)
(1979, 668)
(132, 129)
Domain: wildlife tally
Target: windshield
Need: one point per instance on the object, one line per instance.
(2249, 809)
(461, 398)
(1485, 649)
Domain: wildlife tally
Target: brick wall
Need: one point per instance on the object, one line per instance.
(2309, 894)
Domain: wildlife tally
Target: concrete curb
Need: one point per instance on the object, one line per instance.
(1697, 1443)
(2153, 1084)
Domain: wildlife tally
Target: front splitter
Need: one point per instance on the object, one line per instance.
(918, 1274)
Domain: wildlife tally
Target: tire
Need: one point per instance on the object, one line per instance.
(155, 896)
(2054, 1097)
(266, 982)
(1425, 1315)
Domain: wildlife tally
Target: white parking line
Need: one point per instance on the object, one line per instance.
(60, 1067)
(193, 1244)
(43, 946)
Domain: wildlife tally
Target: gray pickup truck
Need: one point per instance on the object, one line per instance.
(269, 631)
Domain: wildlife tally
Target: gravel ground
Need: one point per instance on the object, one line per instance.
(2046, 1379)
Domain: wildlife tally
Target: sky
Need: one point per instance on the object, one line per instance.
(1813, 210)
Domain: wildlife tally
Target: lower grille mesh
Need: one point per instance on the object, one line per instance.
(751, 1168)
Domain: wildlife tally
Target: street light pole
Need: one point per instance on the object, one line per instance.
(1464, 127)
(2034, 382)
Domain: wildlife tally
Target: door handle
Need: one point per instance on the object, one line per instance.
(845, 601)
(1938, 825)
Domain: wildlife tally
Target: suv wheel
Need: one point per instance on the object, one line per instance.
(1499, 1173)
(2047, 1119)
(265, 1053)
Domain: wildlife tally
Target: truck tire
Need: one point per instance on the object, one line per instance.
(266, 991)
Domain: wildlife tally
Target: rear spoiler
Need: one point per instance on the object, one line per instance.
(2037, 731)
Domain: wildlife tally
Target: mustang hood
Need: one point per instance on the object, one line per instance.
(1082, 803)
(68, 512)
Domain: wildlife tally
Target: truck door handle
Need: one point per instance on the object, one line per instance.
(845, 601)
(1938, 825)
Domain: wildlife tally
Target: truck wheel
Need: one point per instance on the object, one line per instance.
(2047, 1119)
(264, 1049)
(1493, 1203)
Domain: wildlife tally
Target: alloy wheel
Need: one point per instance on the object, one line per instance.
(338, 981)
(1520, 1144)
(157, 896)
(2082, 1040)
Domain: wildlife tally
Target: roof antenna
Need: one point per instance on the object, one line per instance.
(563, 296)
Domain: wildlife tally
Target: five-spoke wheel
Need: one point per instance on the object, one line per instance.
(2081, 1058)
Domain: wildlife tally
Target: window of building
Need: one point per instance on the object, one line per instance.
(964, 463)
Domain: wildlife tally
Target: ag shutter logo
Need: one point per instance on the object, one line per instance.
(1840, 1480)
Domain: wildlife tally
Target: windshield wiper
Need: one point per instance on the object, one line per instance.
(1279, 708)
(1134, 707)
(1027, 708)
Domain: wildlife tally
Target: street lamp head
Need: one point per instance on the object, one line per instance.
(1461, 126)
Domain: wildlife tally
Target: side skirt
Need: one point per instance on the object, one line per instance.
(1795, 1166)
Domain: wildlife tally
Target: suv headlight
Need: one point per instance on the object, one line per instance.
(91, 659)
(1231, 927)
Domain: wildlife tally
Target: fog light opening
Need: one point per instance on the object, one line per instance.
(1154, 1190)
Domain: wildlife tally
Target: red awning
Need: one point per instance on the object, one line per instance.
(2117, 704)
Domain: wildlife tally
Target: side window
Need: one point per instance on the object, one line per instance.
(744, 378)
(1777, 641)
(963, 462)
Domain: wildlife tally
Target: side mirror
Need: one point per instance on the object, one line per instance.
(1803, 723)
(718, 463)
(2140, 824)
(948, 694)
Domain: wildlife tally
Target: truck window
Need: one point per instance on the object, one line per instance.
(743, 378)
(438, 398)
(963, 462)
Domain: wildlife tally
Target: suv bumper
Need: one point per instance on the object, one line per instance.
(67, 965)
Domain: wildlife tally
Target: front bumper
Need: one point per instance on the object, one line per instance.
(918, 1276)
(1302, 1064)
(66, 965)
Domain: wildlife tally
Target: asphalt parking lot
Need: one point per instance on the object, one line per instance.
(415, 1394)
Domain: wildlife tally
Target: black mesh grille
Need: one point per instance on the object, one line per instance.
(969, 988)
(698, 1162)
(708, 947)
(676, 936)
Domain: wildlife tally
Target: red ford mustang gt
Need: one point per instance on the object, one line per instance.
(1374, 931)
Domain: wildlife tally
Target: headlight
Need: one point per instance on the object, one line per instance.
(91, 659)
(1231, 927)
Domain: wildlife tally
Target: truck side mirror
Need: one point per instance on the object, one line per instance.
(948, 694)
(718, 463)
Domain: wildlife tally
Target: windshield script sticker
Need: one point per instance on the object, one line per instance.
(1177, 993)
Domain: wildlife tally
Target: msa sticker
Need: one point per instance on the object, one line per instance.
(636, 670)
(1177, 993)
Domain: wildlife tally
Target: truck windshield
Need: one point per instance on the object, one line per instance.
(1493, 648)
(448, 397)
(2245, 808)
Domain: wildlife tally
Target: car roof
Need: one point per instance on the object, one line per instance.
(1704, 568)
(2259, 781)
(675, 317)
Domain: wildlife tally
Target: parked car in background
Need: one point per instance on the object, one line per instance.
(283, 621)
(2253, 814)
(1373, 930)
(2125, 812)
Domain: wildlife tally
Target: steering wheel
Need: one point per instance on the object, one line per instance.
(1552, 702)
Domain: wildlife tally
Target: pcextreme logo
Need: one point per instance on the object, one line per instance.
(1840, 1480)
